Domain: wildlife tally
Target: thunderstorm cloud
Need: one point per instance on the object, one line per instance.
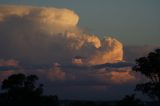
(44, 35)
(48, 41)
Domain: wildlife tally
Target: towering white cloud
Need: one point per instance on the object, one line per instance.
(40, 35)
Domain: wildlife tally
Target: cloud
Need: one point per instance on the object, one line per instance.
(10, 62)
(115, 75)
(55, 73)
(49, 16)
(77, 61)
(8, 65)
(41, 35)
(111, 51)
(113, 65)
(48, 42)
(122, 77)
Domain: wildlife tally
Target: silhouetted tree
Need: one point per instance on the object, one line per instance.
(130, 100)
(150, 67)
(21, 90)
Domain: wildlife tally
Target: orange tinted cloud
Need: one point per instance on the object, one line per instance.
(110, 52)
(10, 62)
(122, 77)
(45, 35)
(114, 76)
(55, 73)
(77, 61)
(51, 35)
(44, 15)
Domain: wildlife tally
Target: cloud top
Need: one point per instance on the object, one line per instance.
(64, 17)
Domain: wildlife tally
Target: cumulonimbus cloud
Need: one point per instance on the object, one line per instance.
(48, 35)
(44, 35)
(48, 42)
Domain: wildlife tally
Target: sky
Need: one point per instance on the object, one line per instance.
(134, 22)
(79, 49)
